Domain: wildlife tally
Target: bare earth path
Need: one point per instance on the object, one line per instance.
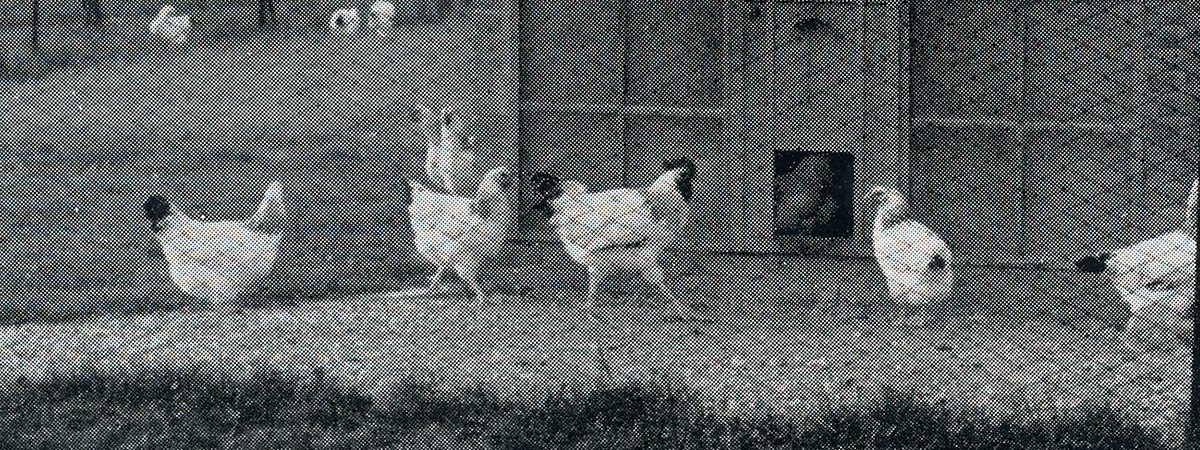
(777, 341)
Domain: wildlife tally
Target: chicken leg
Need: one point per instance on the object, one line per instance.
(470, 274)
(654, 275)
(594, 278)
(435, 281)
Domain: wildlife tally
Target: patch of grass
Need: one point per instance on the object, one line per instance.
(269, 410)
(291, 85)
(115, 116)
(209, 127)
(66, 41)
(75, 241)
(756, 359)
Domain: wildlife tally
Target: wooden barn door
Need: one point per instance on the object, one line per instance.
(822, 107)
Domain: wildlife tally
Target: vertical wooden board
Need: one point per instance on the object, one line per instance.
(828, 78)
(967, 188)
(817, 96)
(735, 20)
(1169, 165)
(1090, 193)
(1082, 194)
(573, 51)
(496, 140)
(718, 185)
(967, 59)
(496, 82)
(818, 85)
(577, 146)
(758, 70)
(883, 157)
(488, 97)
(755, 66)
(675, 53)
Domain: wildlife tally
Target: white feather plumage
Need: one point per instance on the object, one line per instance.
(1158, 272)
(915, 261)
(451, 163)
(460, 232)
(174, 28)
(344, 21)
(218, 261)
(382, 16)
(621, 229)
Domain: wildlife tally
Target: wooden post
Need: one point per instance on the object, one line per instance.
(266, 14)
(95, 13)
(35, 28)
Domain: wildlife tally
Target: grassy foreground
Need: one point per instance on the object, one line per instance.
(774, 346)
(196, 410)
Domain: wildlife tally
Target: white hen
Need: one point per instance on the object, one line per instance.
(218, 261)
(344, 21)
(916, 263)
(382, 15)
(621, 229)
(1160, 271)
(461, 232)
(174, 28)
(450, 160)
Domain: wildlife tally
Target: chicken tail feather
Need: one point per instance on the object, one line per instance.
(271, 214)
(1093, 264)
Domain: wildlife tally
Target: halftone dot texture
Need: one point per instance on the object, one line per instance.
(217, 265)
(1029, 137)
(605, 220)
(462, 233)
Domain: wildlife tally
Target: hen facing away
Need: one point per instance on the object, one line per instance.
(915, 261)
(1155, 277)
(218, 261)
(451, 162)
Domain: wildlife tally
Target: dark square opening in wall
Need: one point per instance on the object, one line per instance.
(814, 194)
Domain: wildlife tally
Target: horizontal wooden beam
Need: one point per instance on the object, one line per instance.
(1044, 125)
(631, 110)
(1015, 124)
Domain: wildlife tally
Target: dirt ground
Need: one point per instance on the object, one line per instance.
(785, 335)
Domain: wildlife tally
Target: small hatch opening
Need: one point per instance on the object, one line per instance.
(813, 194)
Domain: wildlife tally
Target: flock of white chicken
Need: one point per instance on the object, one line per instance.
(380, 17)
(463, 216)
